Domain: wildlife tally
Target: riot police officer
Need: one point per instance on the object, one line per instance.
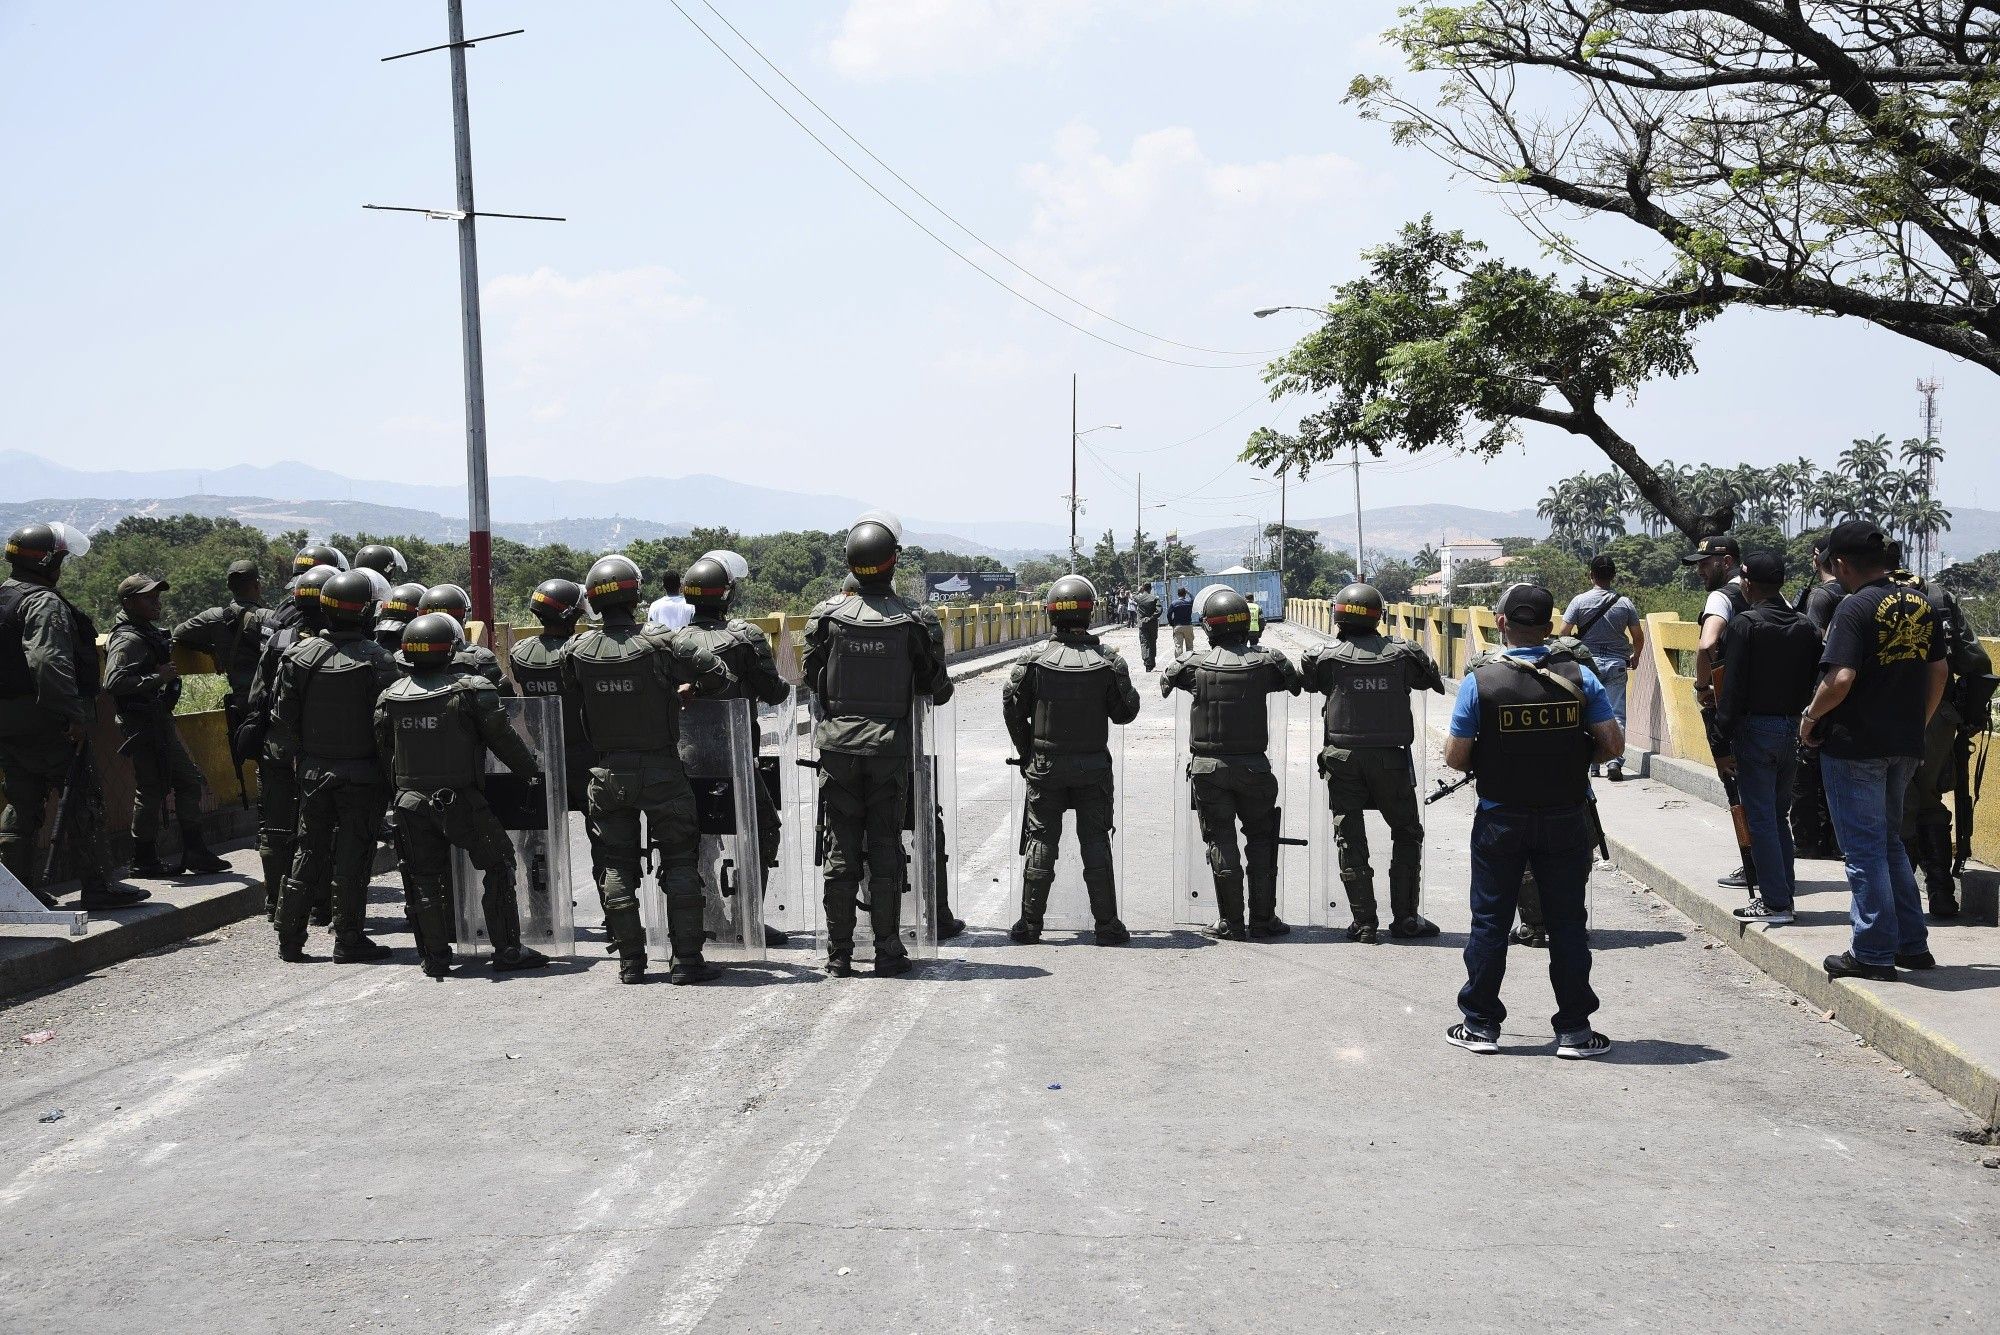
(145, 685)
(1148, 605)
(398, 609)
(231, 635)
(316, 554)
(1228, 768)
(323, 714)
(49, 682)
(1367, 678)
(1059, 703)
(710, 588)
(868, 656)
(1529, 724)
(477, 659)
(384, 560)
(558, 605)
(432, 732)
(629, 683)
(277, 780)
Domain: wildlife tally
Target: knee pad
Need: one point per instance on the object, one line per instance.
(1041, 860)
(1222, 861)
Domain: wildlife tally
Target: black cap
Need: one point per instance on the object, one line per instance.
(1527, 605)
(1858, 537)
(1602, 566)
(243, 567)
(1720, 544)
(1764, 568)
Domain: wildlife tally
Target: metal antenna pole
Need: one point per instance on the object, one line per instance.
(1072, 472)
(1929, 390)
(479, 518)
(1359, 576)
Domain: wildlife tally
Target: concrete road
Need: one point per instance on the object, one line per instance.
(1179, 1135)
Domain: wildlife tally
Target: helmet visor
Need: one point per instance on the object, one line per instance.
(885, 519)
(737, 567)
(72, 540)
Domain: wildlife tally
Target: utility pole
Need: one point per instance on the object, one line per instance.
(1284, 534)
(1138, 523)
(1359, 577)
(1928, 389)
(1072, 472)
(479, 519)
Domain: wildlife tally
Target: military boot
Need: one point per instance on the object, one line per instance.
(1034, 906)
(1405, 921)
(686, 911)
(274, 880)
(632, 969)
(837, 899)
(1940, 887)
(291, 920)
(1264, 919)
(948, 926)
(1108, 929)
(885, 917)
(358, 948)
(1229, 902)
(197, 859)
(146, 861)
(503, 926)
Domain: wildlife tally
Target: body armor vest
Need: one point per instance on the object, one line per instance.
(627, 705)
(538, 672)
(16, 681)
(436, 746)
(726, 643)
(339, 681)
(1533, 749)
(1228, 718)
(868, 664)
(1071, 680)
(1367, 693)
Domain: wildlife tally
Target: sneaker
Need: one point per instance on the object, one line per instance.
(1844, 965)
(1615, 772)
(1922, 959)
(1758, 911)
(1735, 880)
(1472, 1040)
(1583, 1043)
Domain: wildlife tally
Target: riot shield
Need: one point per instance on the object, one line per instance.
(537, 821)
(1325, 844)
(718, 751)
(793, 904)
(1194, 885)
(1069, 899)
(1294, 758)
(930, 819)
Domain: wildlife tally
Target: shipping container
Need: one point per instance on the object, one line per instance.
(1261, 585)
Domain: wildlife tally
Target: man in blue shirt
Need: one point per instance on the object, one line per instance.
(1530, 732)
(1180, 616)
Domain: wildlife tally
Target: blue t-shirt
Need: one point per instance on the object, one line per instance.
(1465, 711)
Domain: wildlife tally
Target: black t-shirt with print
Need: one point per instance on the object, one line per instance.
(1888, 633)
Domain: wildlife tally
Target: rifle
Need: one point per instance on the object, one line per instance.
(232, 719)
(79, 789)
(1975, 728)
(1444, 790)
(819, 817)
(1731, 792)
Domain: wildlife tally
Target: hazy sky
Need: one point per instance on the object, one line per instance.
(188, 278)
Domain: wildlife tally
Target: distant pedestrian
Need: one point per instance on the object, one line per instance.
(1885, 676)
(1609, 626)
(1180, 616)
(1770, 657)
(672, 610)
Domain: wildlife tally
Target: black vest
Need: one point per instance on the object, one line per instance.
(437, 744)
(339, 678)
(538, 672)
(1227, 717)
(1533, 749)
(1367, 693)
(627, 705)
(868, 658)
(1072, 678)
(16, 682)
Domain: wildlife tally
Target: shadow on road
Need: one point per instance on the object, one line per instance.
(1953, 977)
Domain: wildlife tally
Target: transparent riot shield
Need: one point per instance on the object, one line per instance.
(793, 904)
(930, 818)
(1291, 720)
(1193, 890)
(1325, 844)
(1069, 899)
(537, 821)
(718, 751)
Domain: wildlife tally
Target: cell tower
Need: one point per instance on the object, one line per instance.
(1927, 390)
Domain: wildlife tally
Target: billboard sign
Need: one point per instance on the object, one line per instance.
(973, 586)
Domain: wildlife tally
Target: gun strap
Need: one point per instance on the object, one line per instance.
(1597, 613)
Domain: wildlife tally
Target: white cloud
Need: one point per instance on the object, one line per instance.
(882, 39)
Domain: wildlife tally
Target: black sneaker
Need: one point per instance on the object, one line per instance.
(1583, 1043)
(1758, 911)
(1735, 880)
(1844, 965)
(1922, 959)
(1472, 1040)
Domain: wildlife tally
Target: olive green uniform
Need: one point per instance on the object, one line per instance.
(277, 774)
(1229, 768)
(432, 732)
(868, 656)
(323, 714)
(746, 651)
(1367, 678)
(629, 681)
(231, 635)
(134, 653)
(1148, 604)
(48, 684)
(1927, 811)
(1059, 703)
(537, 667)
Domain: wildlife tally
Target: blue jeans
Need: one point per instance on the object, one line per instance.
(1865, 798)
(1611, 671)
(1505, 842)
(1767, 756)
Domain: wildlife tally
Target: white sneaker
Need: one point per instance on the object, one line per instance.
(1472, 1040)
(1758, 911)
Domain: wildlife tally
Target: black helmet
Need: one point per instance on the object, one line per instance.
(430, 640)
(42, 547)
(305, 593)
(318, 554)
(400, 605)
(1226, 615)
(449, 599)
(557, 602)
(1071, 602)
(347, 599)
(383, 559)
(1358, 606)
(871, 551)
(708, 586)
(613, 582)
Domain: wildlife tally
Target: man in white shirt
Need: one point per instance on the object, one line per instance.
(672, 611)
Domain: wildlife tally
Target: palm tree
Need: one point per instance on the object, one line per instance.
(1866, 460)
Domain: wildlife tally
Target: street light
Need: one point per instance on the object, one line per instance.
(1322, 313)
(1139, 508)
(1074, 437)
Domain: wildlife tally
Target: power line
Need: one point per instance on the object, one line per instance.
(920, 225)
(946, 214)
